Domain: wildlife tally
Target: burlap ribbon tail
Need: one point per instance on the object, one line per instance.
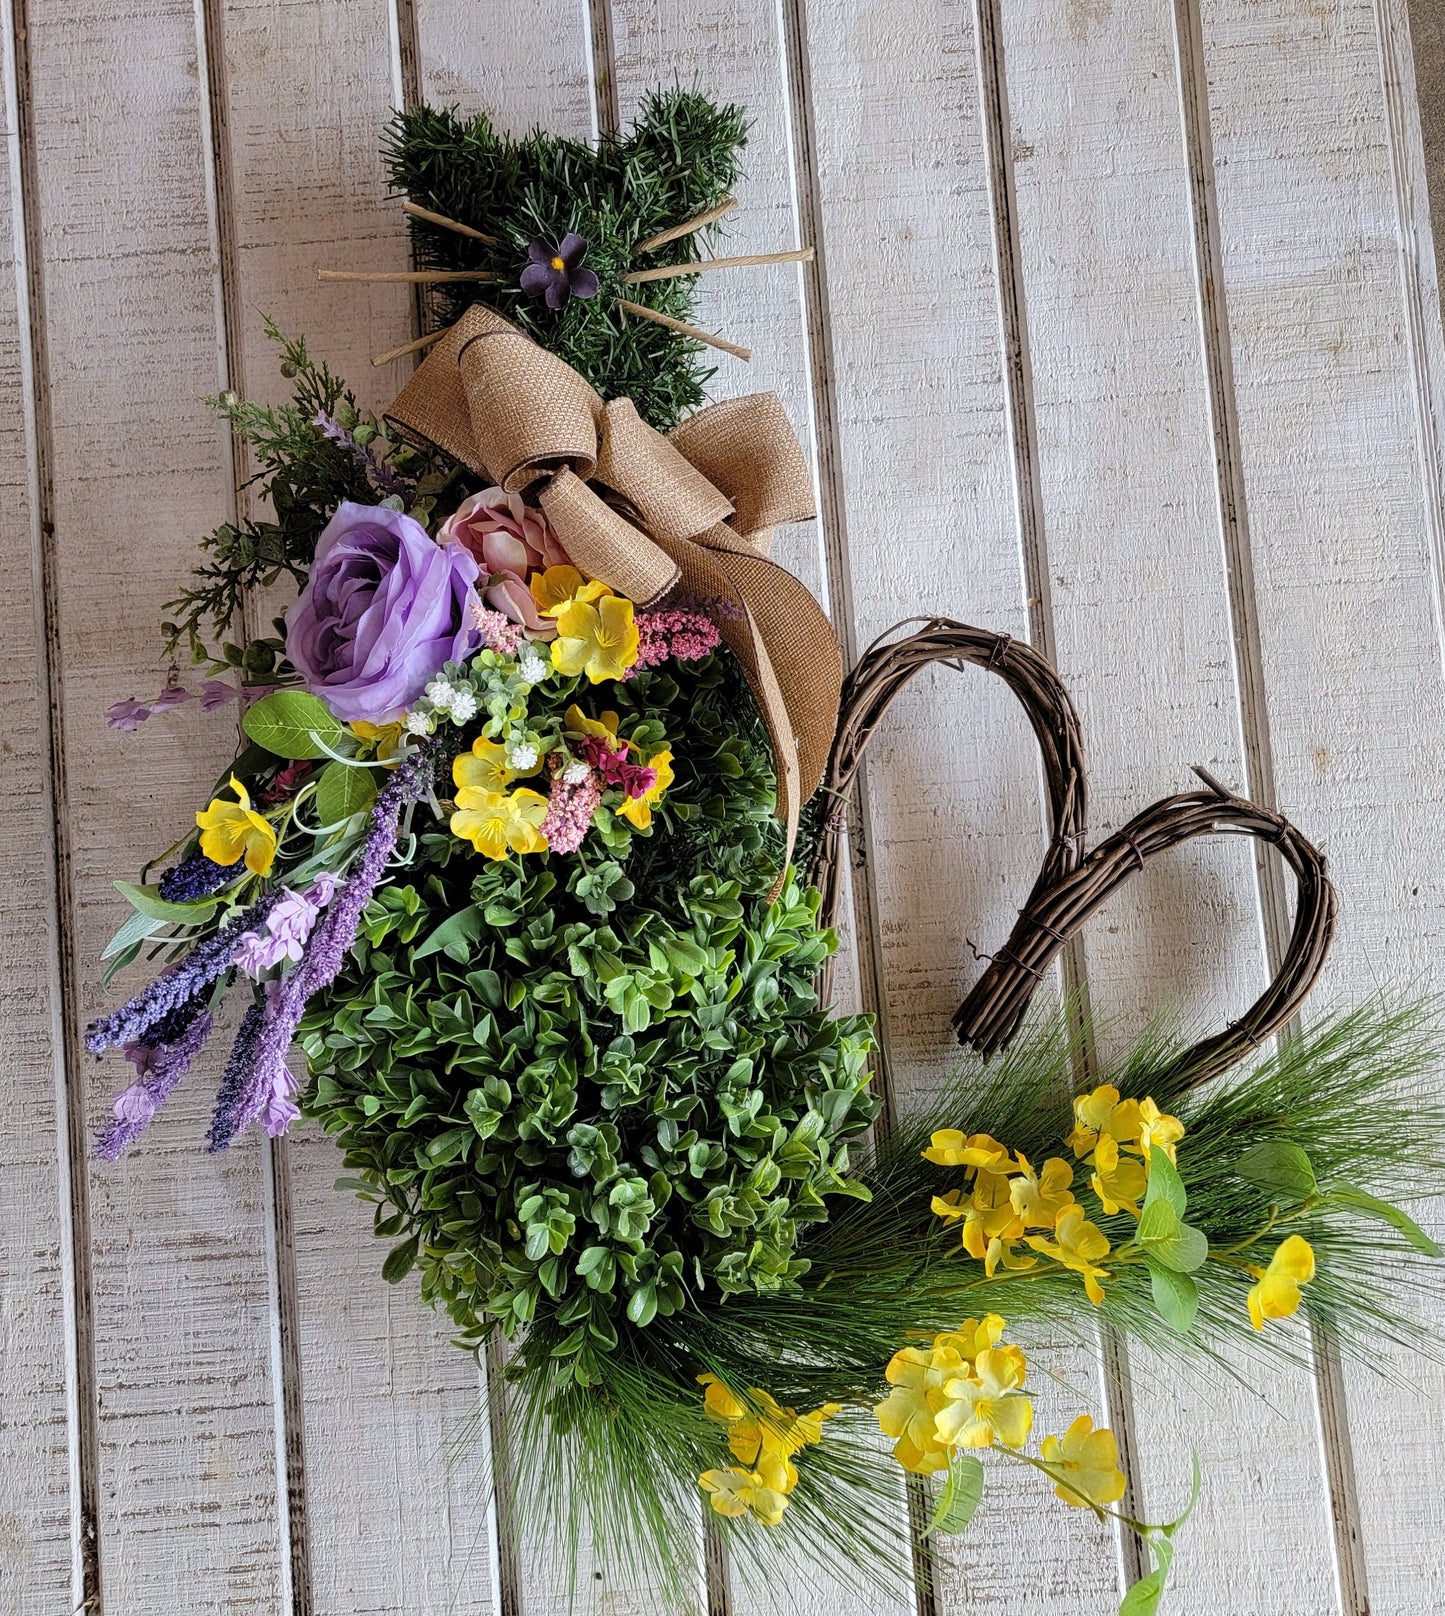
(691, 513)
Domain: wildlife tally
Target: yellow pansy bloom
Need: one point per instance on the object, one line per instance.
(908, 1414)
(735, 1493)
(382, 739)
(1118, 1181)
(972, 1337)
(557, 585)
(987, 1406)
(483, 770)
(762, 1434)
(1103, 1112)
(578, 723)
(638, 810)
(1079, 1246)
(1040, 1198)
(1158, 1130)
(1277, 1292)
(950, 1147)
(599, 640)
(495, 823)
(233, 830)
(1086, 1463)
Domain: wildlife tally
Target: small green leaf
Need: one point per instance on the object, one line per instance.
(960, 1498)
(148, 901)
(1279, 1167)
(1175, 1295)
(400, 1261)
(1165, 1183)
(289, 723)
(1371, 1207)
(133, 932)
(1158, 1222)
(454, 937)
(343, 791)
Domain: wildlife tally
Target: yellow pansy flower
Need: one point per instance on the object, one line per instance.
(555, 586)
(1118, 1181)
(950, 1147)
(233, 830)
(1277, 1292)
(578, 723)
(972, 1337)
(1079, 1246)
(1103, 1112)
(987, 1406)
(599, 640)
(908, 1414)
(384, 740)
(1158, 1130)
(483, 771)
(495, 823)
(1086, 1463)
(1040, 1198)
(735, 1493)
(762, 1434)
(638, 810)
(990, 1224)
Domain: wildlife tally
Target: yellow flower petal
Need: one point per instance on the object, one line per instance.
(554, 587)
(1086, 1463)
(484, 768)
(1276, 1294)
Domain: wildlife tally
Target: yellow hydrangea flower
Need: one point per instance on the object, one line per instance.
(1103, 1112)
(638, 810)
(1276, 1293)
(918, 1376)
(1118, 1181)
(1086, 1462)
(987, 1406)
(1040, 1198)
(484, 770)
(1158, 1130)
(735, 1493)
(234, 830)
(1079, 1246)
(950, 1147)
(496, 823)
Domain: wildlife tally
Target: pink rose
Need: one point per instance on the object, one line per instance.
(511, 540)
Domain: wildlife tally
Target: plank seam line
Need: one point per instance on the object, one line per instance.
(1023, 440)
(601, 37)
(287, 1404)
(504, 1571)
(821, 365)
(1253, 703)
(72, 1180)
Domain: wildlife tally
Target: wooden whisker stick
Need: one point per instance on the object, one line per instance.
(678, 231)
(407, 347)
(417, 211)
(670, 272)
(684, 329)
(409, 277)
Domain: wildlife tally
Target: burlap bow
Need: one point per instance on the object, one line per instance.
(694, 510)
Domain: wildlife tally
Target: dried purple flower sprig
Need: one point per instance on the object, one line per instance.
(158, 1069)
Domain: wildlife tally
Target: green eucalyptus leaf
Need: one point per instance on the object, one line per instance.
(961, 1495)
(290, 723)
(343, 790)
(1175, 1295)
(148, 901)
(1281, 1168)
(1165, 1184)
(1371, 1207)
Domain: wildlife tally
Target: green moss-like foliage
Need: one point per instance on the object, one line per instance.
(680, 159)
(586, 1090)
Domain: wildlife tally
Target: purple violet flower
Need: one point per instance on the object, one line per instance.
(557, 273)
(158, 1069)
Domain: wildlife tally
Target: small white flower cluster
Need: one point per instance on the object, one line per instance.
(458, 702)
(531, 664)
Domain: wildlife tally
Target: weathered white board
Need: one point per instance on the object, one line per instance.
(1122, 336)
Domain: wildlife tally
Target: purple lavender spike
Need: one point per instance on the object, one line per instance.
(158, 1069)
(183, 982)
(262, 1082)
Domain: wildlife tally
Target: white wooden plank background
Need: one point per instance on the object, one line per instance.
(1123, 336)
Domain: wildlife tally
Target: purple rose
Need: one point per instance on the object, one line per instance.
(385, 609)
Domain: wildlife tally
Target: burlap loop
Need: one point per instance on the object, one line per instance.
(705, 499)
